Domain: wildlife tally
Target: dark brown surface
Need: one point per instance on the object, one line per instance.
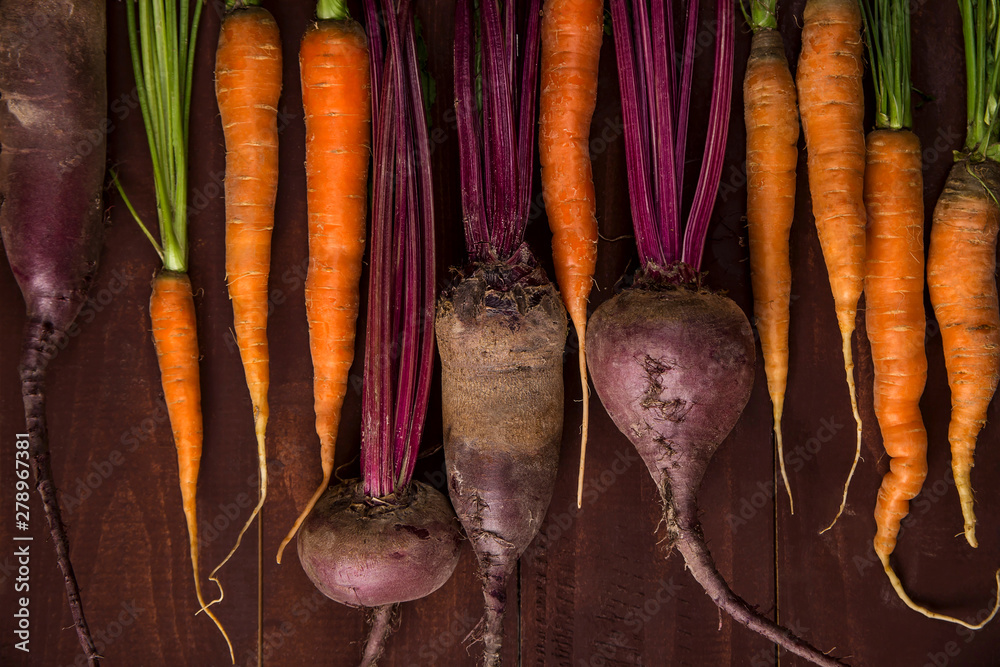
(595, 589)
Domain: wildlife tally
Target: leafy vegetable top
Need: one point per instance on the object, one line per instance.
(981, 29)
(162, 44)
(887, 33)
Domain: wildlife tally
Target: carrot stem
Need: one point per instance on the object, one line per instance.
(332, 10)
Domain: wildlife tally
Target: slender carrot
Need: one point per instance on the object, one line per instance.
(247, 87)
(162, 43)
(831, 103)
(894, 288)
(175, 337)
(571, 47)
(961, 274)
(894, 279)
(772, 155)
(336, 95)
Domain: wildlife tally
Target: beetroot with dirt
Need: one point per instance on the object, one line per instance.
(673, 361)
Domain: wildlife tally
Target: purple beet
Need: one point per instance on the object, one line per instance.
(673, 362)
(388, 539)
(53, 106)
(674, 368)
(372, 553)
(501, 326)
(502, 407)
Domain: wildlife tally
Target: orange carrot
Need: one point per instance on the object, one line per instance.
(831, 103)
(961, 274)
(247, 87)
(336, 95)
(171, 310)
(772, 155)
(163, 86)
(961, 267)
(894, 280)
(571, 47)
(894, 289)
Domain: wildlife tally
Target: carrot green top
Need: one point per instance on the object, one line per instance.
(162, 45)
(887, 33)
(333, 10)
(762, 14)
(981, 30)
(240, 4)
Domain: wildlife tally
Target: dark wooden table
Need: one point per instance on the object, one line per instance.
(595, 588)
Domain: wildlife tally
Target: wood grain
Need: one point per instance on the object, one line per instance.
(595, 589)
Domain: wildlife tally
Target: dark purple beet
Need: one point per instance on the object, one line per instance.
(378, 552)
(367, 552)
(53, 101)
(674, 369)
(502, 407)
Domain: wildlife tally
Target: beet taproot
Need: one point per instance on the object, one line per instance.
(53, 106)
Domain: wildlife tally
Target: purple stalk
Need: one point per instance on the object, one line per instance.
(425, 239)
(715, 145)
(375, 413)
(398, 353)
(643, 63)
(498, 122)
(656, 177)
(666, 171)
(526, 131)
(496, 146)
(510, 30)
(473, 204)
(684, 103)
(375, 59)
(636, 136)
(670, 42)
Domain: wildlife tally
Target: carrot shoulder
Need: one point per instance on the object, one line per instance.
(571, 47)
(772, 155)
(336, 95)
(831, 103)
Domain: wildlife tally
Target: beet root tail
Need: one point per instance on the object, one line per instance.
(495, 594)
(40, 348)
(382, 625)
(691, 543)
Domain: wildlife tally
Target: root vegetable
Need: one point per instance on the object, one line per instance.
(53, 103)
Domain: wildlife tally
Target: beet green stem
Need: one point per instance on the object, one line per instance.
(399, 348)
(656, 100)
(496, 144)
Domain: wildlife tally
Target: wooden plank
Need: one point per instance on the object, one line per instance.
(595, 589)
